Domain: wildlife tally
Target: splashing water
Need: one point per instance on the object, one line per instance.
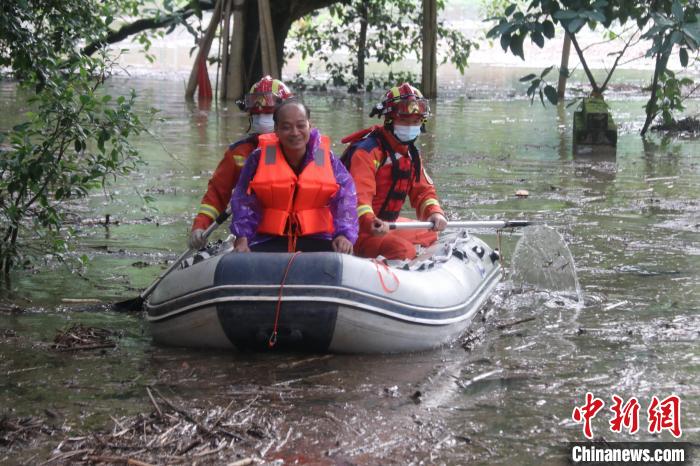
(543, 261)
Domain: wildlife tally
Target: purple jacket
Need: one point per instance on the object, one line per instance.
(247, 211)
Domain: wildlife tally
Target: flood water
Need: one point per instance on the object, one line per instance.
(631, 218)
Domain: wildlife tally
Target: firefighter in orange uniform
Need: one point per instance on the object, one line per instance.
(293, 194)
(387, 168)
(260, 103)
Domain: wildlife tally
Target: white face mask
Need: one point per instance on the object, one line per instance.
(262, 123)
(406, 133)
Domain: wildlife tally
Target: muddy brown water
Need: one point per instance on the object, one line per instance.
(631, 219)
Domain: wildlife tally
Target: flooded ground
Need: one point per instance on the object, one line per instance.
(503, 395)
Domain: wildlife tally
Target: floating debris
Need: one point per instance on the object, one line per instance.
(688, 124)
(81, 300)
(173, 434)
(82, 338)
(21, 430)
(10, 308)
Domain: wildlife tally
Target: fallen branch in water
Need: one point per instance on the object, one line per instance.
(81, 338)
(506, 325)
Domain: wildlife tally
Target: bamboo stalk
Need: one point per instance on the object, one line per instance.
(225, 48)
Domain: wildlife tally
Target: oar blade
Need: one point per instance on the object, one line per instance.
(543, 260)
(129, 305)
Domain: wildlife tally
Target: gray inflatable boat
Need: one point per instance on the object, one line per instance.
(328, 302)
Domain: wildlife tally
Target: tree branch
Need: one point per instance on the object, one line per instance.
(581, 58)
(143, 25)
(617, 60)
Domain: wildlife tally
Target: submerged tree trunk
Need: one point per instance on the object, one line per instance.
(235, 75)
(270, 65)
(429, 78)
(362, 46)
(204, 46)
(225, 49)
(651, 107)
(283, 13)
(564, 66)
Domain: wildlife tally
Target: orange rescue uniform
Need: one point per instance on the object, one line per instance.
(222, 182)
(385, 172)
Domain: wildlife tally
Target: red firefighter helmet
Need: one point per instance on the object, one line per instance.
(402, 100)
(264, 95)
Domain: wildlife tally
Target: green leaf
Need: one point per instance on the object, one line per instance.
(676, 37)
(494, 31)
(548, 29)
(528, 77)
(677, 10)
(564, 15)
(505, 42)
(537, 38)
(551, 94)
(510, 9)
(575, 25)
(596, 16)
(684, 57)
(692, 30)
(546, 71)
(516, 45)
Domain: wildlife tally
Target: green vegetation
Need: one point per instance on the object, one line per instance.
(384, 31)
(73, 138)
(667, 25)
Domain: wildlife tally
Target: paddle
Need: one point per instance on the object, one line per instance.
(541, 258)
(135, 304)
(462, 224)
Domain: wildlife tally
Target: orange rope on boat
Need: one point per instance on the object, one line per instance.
(381, 278)
(273, 337)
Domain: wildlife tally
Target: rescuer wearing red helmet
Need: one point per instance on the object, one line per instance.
(387, 168)
(260, 104)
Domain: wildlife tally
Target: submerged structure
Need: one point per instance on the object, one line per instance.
(593, 124)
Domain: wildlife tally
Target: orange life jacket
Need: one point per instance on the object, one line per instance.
(393, 181)
(293, 205)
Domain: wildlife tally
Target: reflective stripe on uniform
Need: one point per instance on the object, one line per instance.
(239, 160)
(427, 203)
(208, 210)
(364, 209)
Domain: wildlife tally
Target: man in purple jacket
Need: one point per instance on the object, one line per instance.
(302, 217)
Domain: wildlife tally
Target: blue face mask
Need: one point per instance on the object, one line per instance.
(405, 133)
